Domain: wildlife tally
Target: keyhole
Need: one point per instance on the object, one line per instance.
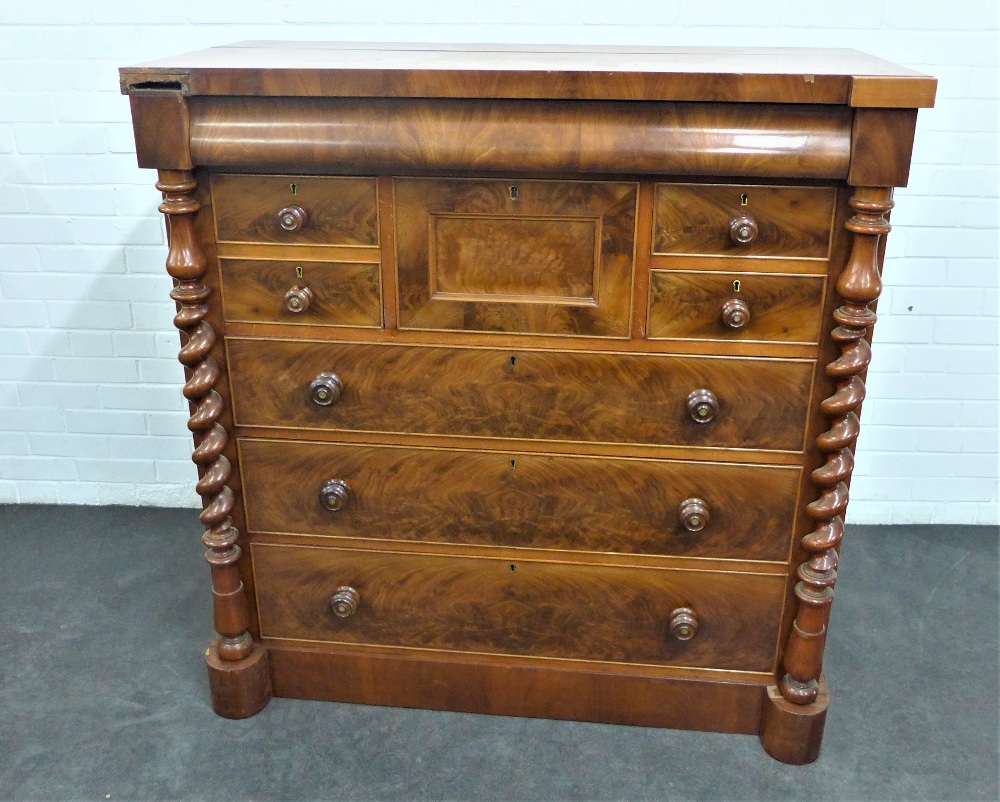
(294, 188)
(744, 199)
(736, 285)
(298, 271)
(512, 568)
(512, 464)
(513, 193)
(513, 361)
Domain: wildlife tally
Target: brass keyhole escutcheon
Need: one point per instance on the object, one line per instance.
(298, 271)
(736, 283)
(514, 193)
(294, 188)
(744, 199)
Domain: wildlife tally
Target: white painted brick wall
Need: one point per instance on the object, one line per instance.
(90, 410)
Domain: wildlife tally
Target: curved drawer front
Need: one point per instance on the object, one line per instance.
(525, 500)
(486, 605)
(538, 395)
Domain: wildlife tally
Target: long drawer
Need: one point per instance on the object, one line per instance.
(729, 402)
(699, 619)
(498, 498)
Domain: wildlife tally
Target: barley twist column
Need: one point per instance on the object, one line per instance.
(237, 667)
(859, 285)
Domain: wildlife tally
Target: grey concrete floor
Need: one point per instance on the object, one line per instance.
(105, 616)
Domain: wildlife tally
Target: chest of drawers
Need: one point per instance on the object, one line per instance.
(526, 381)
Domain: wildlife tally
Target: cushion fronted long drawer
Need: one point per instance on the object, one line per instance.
(519, 607)
(602, 397)
(511, 499)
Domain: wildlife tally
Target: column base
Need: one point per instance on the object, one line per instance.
(242, 688)
(794, 733)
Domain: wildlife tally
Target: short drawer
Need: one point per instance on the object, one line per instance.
(295, 209)
(519, 607)
(498, 498)
(741, 220)
(317, 293)
(686, 304)
(539, 395)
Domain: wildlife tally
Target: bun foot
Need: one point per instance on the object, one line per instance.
(240, 688)
(794, 733)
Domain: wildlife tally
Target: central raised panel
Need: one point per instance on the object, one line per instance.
(535, 257)
(492, 258)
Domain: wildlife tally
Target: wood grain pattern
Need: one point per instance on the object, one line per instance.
(688, 304)
(577, 72)
(343, 294)
(162, 127)
(342, 211)
(513, 686)
(539, 395)
(524, 500)
(519, 607)
(695, 219)
(406, 137)
(510, 415)
(736, 264)
(549, 257)
(881, 147)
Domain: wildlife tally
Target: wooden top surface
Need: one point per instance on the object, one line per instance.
(758, 75)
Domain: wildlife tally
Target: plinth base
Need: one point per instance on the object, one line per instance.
(239, 689)
(794, 733)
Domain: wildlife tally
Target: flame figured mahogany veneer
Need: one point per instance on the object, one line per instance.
(527, 381)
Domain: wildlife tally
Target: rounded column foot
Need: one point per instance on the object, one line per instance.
(794, 733)
(240, 688)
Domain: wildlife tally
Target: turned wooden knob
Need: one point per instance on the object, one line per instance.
(683, 623)
(743, 230)
(297, 300)
(344, 602)
(325, 389)
(702, 405)
(293, 218)
(694, 514)
(335, 494)
(735, 313)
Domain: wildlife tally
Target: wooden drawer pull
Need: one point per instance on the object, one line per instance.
(298, 299)
(335, 495)
(325, 389)
(344, 602)
(293, 218)
(702, 405)
(683, 623)
(735, 313)
(743, 230)
(694, 514)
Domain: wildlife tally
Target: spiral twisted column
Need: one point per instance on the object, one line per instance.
(859, 285)
(187, 265)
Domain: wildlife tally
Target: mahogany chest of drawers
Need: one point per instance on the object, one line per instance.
(526, 381)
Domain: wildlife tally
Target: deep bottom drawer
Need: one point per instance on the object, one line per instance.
(499, 498)
(521, 607)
